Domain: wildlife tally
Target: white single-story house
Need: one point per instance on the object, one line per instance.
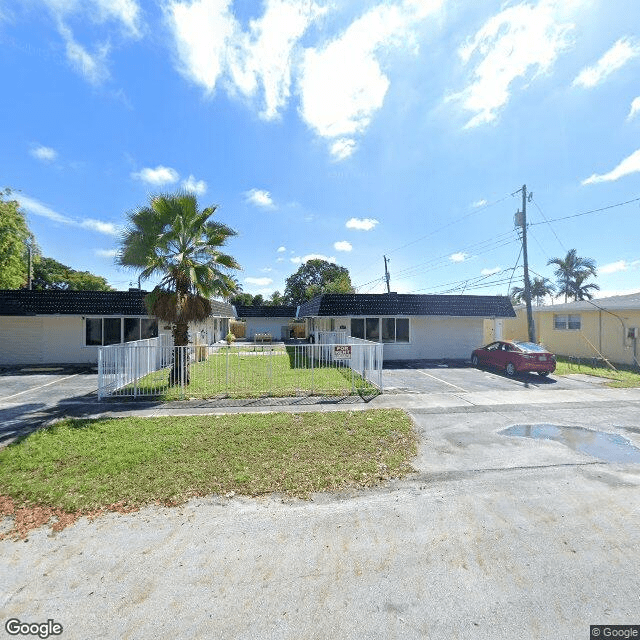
(68, 327)
(411, 326)
(264, 319)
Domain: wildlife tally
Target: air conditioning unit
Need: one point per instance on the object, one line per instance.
(633, 333)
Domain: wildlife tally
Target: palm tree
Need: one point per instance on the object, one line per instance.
(569, 269)
(171, 238)
(539, 288)
(582, 291)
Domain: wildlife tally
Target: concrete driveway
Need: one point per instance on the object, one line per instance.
(31, 395)
(420, 376)
(494, 536)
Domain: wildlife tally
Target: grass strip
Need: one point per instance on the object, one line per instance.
(83, 466)
(624, 377)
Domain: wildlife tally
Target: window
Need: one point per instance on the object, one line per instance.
(105, 331)
(148, 328)
(357, 328)
(131, 329)
(111, 330)
(373, 329)
(93, 334)
(395, 329)
(561, 322)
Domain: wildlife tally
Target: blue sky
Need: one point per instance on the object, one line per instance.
(346, 130)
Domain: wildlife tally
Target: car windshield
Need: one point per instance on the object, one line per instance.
(530, 346)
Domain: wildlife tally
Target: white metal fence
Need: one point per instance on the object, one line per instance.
(155, 369)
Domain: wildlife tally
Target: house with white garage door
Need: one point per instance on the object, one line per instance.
(411, 326)
(68, 327)
(266, 320)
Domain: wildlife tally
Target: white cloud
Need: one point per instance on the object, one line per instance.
(92, 66)
(521, 41)
(458, 257)
(342, 148)
(362, 224)
(281, 249)
(36, 208)
(158, 176)
(312, 256)
(635, 108)
(629, 165)
(342, 85)
(614, 267)
(199, 187)
(342, 245)
(259, 282)
(101, 227)
(620, 53)
(478, 203)
(260, 198)
(106, 253)
(46, 154)
(211, 45)
(490, 272)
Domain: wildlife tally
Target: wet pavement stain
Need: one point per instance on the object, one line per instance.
(609, 447)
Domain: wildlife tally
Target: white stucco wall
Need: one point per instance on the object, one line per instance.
(266, 325)
(44, 340)
(435, 337)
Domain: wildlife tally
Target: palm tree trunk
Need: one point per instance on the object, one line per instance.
(180, 373)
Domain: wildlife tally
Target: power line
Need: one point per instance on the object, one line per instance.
(550, 227)
(446, 226)
(584, 213)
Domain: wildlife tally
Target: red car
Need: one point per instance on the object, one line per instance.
(515, 357)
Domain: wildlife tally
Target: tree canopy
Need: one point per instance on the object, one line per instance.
(315, 277)
(51, 274)
(572, 273)
(14, 234)
(539, 289)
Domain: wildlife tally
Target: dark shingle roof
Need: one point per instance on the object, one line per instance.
(403, 304)
(264, 311)
(223, 309)
(127, 303)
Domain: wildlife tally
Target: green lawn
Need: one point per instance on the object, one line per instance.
(87, 465)
(254, 372)
(624, 376)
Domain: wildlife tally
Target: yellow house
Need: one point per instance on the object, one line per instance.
(601, 328)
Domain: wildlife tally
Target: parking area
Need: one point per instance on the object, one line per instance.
(32, 394)
(423, 376)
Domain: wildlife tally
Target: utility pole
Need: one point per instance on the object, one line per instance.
(527, 286)
(386, 274)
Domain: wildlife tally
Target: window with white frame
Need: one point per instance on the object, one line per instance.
(105, 331)
(393, 329)
(567, 322)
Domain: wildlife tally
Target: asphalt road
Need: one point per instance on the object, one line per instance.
(493, 537)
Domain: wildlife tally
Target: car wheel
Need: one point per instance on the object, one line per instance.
(474, 361)
(543, 374)
(510, 369)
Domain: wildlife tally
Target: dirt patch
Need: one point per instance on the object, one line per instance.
(29, 517)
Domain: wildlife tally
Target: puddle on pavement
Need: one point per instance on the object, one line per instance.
(605, 446)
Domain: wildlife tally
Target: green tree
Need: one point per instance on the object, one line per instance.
(581, 289)
(173, 239)
(51, 274)
(257, 300)
(14, 233)
(241, 300)
(276, 299)
(315, 277)
(539, 288)
(569, 271)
